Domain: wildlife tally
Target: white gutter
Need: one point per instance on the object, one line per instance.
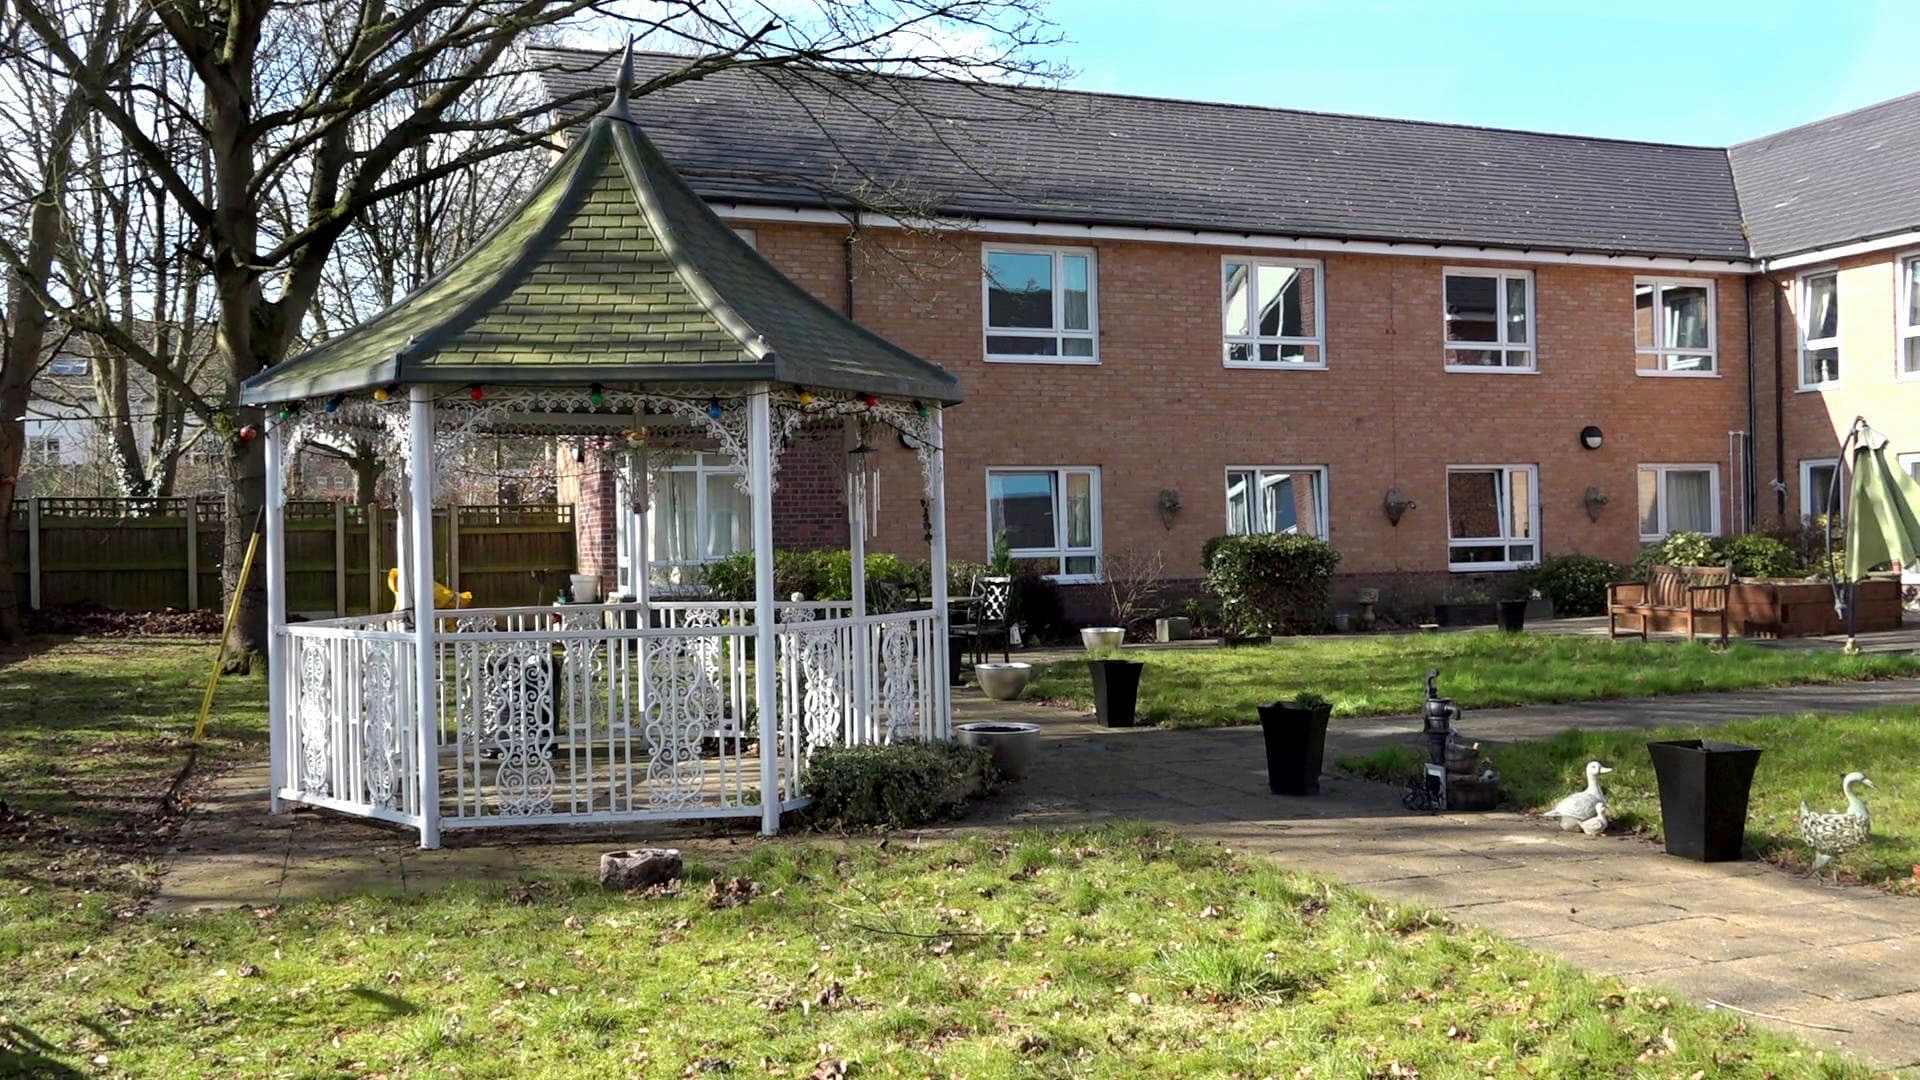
(742, 212)
(1824, 255)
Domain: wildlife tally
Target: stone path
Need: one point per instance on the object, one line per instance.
(1809, 957)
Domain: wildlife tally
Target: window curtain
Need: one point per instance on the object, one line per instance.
(1689, 502)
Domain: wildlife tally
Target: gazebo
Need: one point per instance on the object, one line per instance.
(612, 307)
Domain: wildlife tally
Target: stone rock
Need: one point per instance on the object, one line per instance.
(640, 868)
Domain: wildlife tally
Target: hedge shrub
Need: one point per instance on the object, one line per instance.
(1757, 555)
(1269, 583)
(899, 786)
(1679, 549)
(817, 575)
(1577, 584)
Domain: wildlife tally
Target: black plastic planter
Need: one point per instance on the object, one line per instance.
(1703, 796)
(1296, 745)
(956, 657)
(1513, 615)
(1116, 690)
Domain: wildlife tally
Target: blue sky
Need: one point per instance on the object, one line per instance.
(1688, 71)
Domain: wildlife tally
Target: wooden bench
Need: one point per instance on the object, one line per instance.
(1697, 592)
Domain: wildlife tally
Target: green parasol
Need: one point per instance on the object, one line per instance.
(1883, 514)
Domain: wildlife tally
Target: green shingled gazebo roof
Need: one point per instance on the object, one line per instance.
(613, 272)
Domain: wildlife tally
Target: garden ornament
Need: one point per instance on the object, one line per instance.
(1169, 506)
(1839, 832)
(1585, 807)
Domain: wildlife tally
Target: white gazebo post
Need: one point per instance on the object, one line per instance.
(853, 467)
(760, 470)
(276, 583)
(426, 658)
(936, 481)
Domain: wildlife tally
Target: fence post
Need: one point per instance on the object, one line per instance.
(339, 559)
(453, 548)
(193, 552)
(373, 558)
(33, 553)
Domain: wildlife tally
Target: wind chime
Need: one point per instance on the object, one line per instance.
(863, 478)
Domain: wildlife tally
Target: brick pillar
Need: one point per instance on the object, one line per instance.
(596, 522)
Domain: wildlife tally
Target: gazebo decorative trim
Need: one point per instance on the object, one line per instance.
(612, 307)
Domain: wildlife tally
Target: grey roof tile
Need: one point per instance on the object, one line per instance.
(1850, 177)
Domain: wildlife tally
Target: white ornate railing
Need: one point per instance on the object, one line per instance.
(596, 713)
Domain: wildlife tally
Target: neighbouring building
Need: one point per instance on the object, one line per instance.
(1449, 350)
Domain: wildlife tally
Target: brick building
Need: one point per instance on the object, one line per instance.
(1449, 350)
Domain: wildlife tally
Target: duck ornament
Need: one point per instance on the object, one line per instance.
(1838, 832)
(1585, 810)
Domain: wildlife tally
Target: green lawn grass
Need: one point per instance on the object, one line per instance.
(1383, 675)
(1111, 952)
(1804, 758)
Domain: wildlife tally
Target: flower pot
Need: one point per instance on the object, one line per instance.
(1172, 628)
(1703, 796)
(1096, 638)
(1296, 745)
(1116, 690)
(1012, 746)
(1343, 622)
(1473, 613)
(1003, 682)
(583, 588)
(1513, 615)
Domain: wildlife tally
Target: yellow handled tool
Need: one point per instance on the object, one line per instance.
(226, 632)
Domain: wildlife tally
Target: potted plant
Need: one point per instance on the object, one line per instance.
(1011, 745)
(1465, 605)
(1703, 796)
(1296, 738)
(1116, 690)
(1513, 608)
(1172, 628)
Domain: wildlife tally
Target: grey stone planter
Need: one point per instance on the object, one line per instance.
(1003, 682)
(1172, 628)
(1012, 746)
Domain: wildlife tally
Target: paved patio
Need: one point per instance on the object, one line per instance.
(1837, 966)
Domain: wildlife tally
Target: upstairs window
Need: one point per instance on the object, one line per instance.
(1040, 305)
(1277, 499)
(1272, 313)
(1673, 327)
(1489, 320)
(1679, 498)
(1049, 516)
(1910, 315)
(1819, 330)
(1493, 517)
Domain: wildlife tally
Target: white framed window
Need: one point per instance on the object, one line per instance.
(1048, 515)
(1817, 486)
(1493, 516)
(1907, 307)
(1910, 464)
(1679, 498)
(1272, 313)
(748, 234)
(43, 450)
(699, 515)
(1040, 304)
(1488, 318)
(1277, 499)
(1819, 318)
(1673, 327)
(68, 365)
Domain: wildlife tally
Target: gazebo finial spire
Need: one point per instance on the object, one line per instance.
(617, 108)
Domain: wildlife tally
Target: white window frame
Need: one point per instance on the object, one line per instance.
(1060, 552)
(1906, 277)
(1660, 350)
(1803, 313)
(1253, 339)
(709, 467)
(43, 451)
(1058, 331)
(1807, 465)
(1321, 483)
(1501, 276)
(1909, 464)
(1532, 473)
(1662, 470)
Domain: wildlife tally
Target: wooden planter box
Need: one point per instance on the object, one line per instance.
(1783, 609)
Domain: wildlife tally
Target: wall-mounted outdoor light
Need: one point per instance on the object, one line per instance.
(1591, 437)
(1595, 501)
(1169, 506)
(1395, 504)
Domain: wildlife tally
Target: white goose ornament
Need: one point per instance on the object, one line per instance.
(1839, 832)
(1586, 809)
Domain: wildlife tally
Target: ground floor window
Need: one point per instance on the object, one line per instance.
(1493, 517)
(1911, 464)
(699, 515)
(1817, 486)
(1049, 516)
(1679, 498)
(1277, 499)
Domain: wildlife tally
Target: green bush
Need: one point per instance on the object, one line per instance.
(1577, 584)
(895, 787)
(817, 575)
(1271, 583)
(1757, 555)
(1679, 549)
